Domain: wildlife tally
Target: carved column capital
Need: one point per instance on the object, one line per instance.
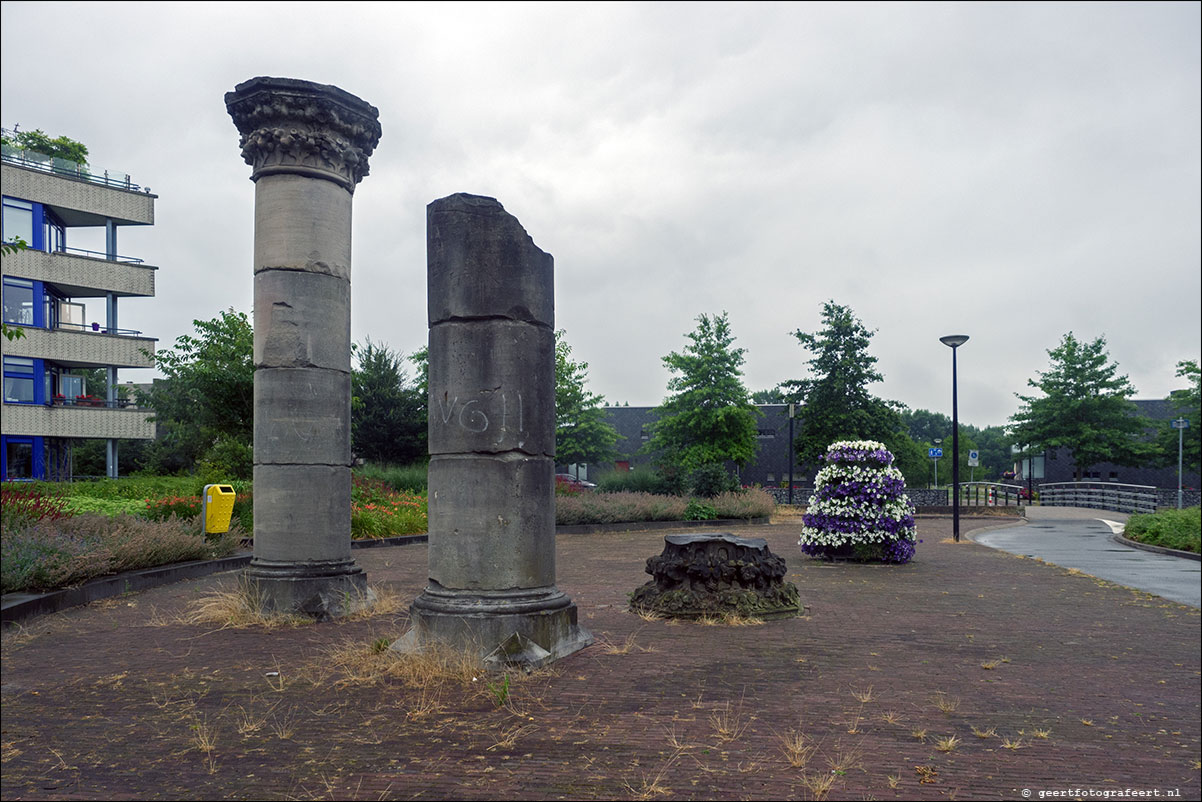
(304, 128)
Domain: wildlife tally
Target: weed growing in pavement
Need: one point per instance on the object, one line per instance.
(989, 733)
(919, 734)
(947, 744)
(798, 748)
(891, 717)
(1007, 743)
(864, 696)
(626, 647)
(499, 691)
(842, 762)
(819, 785)
(510, 736)
(728, 722)
(947, 704)
(1041, 734)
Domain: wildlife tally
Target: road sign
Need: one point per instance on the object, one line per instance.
(974, 459)
(1181, 423)
(934, 452)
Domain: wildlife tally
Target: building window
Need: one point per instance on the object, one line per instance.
(18, 380)
(18, 301)
(18, 220)
(54, 233)
(18, 458)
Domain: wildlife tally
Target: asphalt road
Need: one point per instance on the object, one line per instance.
(1079, 538)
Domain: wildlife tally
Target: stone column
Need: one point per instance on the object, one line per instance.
(308, 145)
(492, 442)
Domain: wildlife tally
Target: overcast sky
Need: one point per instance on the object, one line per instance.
(1008, 171)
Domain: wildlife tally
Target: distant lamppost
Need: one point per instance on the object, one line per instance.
(954, 341)
(1181, 424)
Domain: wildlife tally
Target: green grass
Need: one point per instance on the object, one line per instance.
(1170, 529)
(402, 478)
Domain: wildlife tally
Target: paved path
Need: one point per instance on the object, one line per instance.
(966, 674)
(1075, 537)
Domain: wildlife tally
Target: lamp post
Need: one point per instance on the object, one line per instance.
(1181, 424)
(954, 341)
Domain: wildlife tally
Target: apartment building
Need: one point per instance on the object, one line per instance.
(65, 301)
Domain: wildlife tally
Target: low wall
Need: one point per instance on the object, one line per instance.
(919, 496)
(1168, 498)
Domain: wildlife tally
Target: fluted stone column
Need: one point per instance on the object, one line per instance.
(492, 442)
(308, 145)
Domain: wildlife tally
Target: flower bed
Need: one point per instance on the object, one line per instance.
(859, 510)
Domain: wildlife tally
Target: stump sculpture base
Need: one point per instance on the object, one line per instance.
(717, 575)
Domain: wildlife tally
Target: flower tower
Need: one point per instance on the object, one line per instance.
(859, 510)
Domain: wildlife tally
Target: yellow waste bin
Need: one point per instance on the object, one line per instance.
(217, 508)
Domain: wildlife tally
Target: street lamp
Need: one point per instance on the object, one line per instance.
(954, 341)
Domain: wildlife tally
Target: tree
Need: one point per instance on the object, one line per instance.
(59, 147)
(1187, 404)
(709, 418)
(582, 434)
(837, 404)
(204, 406)
(388, 415)
(774, 396)
(1084, 408)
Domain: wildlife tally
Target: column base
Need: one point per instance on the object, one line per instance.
(524, 627)
(322, 591)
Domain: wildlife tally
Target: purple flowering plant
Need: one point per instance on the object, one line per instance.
(859, 510)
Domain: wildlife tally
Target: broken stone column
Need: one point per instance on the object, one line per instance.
(492, 442)
(308, 145)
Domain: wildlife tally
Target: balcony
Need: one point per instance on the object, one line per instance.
(76, 200)
(78, 420)
(80, 275)
(84, 348)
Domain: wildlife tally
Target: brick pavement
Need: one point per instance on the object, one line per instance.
(1078, 684)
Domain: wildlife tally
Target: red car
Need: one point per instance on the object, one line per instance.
(568, 482)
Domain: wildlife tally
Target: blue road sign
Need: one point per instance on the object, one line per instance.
(934, 452)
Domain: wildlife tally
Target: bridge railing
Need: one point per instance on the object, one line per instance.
(992, 494)
(1099, 495)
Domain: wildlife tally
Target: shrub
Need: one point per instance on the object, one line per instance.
(53, 554)
(1170, 529)
(26, 504)
(182, 507)
(745, 504)
(226, 460)
(699, 511)
(639, 480)
(130, 487)
(711, 480)
(606, 508)
(111, 507)
(379, 511)
(859, 510)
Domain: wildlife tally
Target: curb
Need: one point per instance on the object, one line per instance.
(1135, 544)
(641, 526)
(18, 607)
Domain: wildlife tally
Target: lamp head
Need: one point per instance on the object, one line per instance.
(954, 340)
